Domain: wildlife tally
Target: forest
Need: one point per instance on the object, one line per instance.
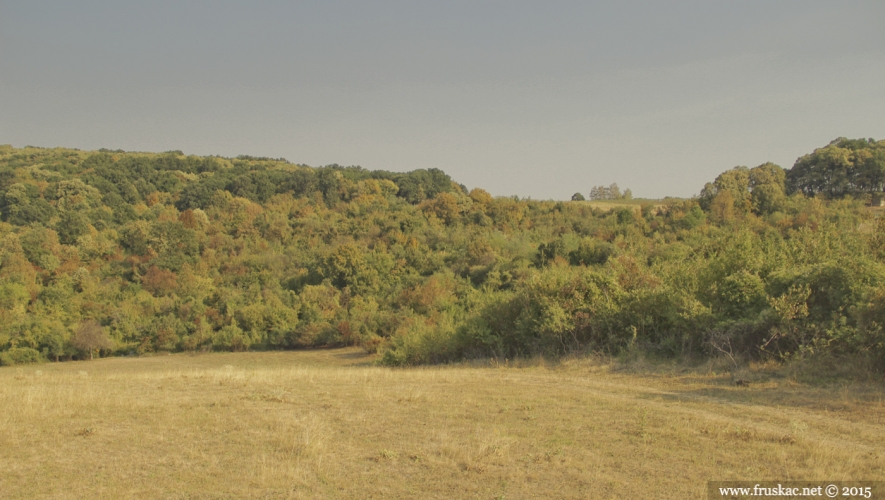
(107, 253)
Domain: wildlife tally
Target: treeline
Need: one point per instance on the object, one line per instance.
(110, 252)
(612, 192)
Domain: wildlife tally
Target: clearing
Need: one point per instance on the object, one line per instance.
(328, 424)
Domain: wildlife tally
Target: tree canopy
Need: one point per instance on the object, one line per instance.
(843, 167)
(112, 252)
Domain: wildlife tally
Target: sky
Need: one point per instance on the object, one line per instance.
(535, 99)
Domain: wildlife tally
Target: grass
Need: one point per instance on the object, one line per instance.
(328, 424)
(634, 204)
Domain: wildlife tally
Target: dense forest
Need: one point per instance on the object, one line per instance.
(122, 253)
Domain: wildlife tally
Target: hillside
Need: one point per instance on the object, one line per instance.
(111, 252)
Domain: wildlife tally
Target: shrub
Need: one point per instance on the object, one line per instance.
(20, 356)
(420, 341)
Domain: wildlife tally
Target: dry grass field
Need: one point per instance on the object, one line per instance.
(328, 424)
(609, 205)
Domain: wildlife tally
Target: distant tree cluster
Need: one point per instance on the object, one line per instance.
(612, 192)
(843, 167)
(741, 190)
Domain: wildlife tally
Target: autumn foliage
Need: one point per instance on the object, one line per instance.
(119, 253)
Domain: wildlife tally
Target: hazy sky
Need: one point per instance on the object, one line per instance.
(537, 99)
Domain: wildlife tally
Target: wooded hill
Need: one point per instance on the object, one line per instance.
(114, 252)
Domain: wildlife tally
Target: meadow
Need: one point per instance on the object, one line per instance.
(328, 423)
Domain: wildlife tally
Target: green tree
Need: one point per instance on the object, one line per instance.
(737, 183)
(767, 182)
(71, 226)
(843, 167)
(346, 266)
(21, 205)
(419, 185)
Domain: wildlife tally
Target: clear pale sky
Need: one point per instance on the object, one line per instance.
(538, 99)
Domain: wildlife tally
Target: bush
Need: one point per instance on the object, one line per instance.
(20, 356)
(419, 341)
(555, 311)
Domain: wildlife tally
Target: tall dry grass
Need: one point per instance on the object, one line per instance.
(325, 424)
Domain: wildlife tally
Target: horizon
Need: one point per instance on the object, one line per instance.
(286, 160)
(537, 102)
